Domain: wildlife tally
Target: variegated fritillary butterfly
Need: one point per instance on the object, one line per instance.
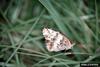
(56, 41)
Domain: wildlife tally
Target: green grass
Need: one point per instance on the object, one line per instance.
(22, 43)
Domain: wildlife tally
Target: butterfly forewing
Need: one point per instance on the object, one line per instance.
(56, 41)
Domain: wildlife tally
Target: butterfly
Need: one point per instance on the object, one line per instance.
(55, 41)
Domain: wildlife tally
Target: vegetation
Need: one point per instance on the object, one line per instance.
(21, 40)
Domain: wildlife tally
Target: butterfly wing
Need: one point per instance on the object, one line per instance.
(67, 43)
(55, 41)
